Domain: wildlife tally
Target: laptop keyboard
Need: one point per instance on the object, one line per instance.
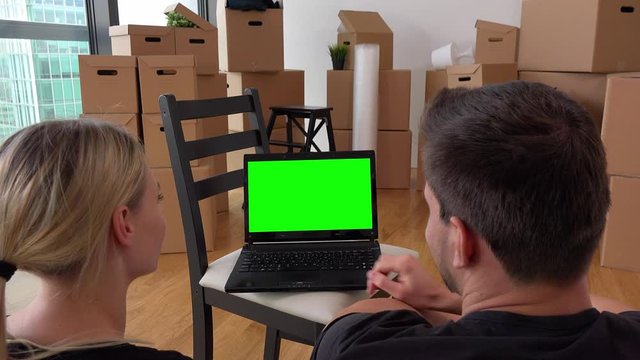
(307, 260)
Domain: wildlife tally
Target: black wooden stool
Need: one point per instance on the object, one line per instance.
(292, 114)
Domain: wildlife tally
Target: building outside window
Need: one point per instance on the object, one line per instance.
(39, 78)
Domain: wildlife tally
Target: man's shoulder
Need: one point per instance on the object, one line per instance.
(124, 351)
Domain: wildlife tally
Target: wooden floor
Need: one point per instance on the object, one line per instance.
(160, 309)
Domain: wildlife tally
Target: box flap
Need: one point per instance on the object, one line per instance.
(190, 15)
(624, 75)
(496, 27)
(108, 61)
(120, 119)
(463, 69)
(119, 30)
(362, 22)
(153, 119)
(167, 61)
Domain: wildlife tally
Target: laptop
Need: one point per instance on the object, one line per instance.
(310, 222)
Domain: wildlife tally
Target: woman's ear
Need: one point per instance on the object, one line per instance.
(121, 226)
(464, 243)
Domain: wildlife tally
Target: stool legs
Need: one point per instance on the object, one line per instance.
(332, 141)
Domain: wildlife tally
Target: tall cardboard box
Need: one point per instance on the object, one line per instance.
(580, 35)
(109, 84)
(131, 122)
(201, 41)
(621, 125)
(142, 40)
(394, 100)
(475, 75)
(360, 27)
(340, 98)
(588, 89)
(250, 41)
(159, 75)
(436, 80)
(174, 241)
(274, 88)
(620, 245)
(496, 43)
(343, 139)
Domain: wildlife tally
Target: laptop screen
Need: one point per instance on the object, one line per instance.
(310, 196)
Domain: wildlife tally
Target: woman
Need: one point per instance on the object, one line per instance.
(80, 209)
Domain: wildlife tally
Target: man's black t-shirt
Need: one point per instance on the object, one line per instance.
(483, 335)
(113, 352)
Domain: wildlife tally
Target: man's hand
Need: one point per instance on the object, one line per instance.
(413, 286)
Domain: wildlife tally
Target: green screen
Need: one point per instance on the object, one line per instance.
(305, 195)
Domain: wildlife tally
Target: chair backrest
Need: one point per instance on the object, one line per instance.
(181, 152)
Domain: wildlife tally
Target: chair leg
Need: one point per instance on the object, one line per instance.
(272, 344)
(202, 328)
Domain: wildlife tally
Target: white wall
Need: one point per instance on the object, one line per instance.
(419, 26)
(148, 12)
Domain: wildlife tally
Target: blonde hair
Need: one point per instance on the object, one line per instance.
(60, 182)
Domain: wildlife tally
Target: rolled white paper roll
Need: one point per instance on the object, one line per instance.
(444, 56)
(365, 96)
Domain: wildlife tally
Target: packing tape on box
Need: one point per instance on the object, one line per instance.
(365, 96)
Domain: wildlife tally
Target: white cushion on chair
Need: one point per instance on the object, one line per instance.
(318, 306)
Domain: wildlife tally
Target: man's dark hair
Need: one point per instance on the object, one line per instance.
(524, 167)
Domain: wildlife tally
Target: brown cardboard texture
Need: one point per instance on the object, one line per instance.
(580, 35)
(394, 159)
(394, 100)
(476, 75)
(496, 43)
(620, 245)
(340, 98)
(171, 74)
(281, 135)
(131, 122)
(420, 177)
(142, 40)
(274, 88)
(202, 44)
(588, 89)
(191, 16)
(436, 80)
(621, 126)
(250, 41)
(343, 139)
(109, 84)
(174, 241)
(360, 27)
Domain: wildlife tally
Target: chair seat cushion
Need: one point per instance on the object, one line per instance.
(317, 306)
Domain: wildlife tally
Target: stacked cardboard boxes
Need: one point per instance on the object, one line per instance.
(252, 54)
(394, 96)
(183, 62)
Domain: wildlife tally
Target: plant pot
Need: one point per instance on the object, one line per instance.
(338, 64)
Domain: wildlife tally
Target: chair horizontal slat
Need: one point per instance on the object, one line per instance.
(218, 184)
(196, 109)
(202, 148)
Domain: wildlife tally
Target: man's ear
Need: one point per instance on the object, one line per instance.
(464, 242)
(121, 226)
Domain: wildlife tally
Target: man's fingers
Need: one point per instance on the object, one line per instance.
(388, 263)
(379, 280)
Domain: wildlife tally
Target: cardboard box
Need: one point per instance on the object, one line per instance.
(174, 74)
(340, 98)
(131, 122)
(588, 89)
(174, 241)
(191, 16)
(476, 75)
(580, 35)
(621, 125)
(360, 27)
(620, 245)
(421, 180)
(436, 81)
(274, 88)
(202, 44)
(281, 135)
(142, 40)
(109, 84)
(250, 41)
(155, 139)
(394, 100)
(393, 156)
(496, 43)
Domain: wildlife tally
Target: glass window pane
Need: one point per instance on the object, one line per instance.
(65, 66)
(58, 93)
(67, 87)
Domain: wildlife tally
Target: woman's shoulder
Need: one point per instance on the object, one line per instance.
(120, 351)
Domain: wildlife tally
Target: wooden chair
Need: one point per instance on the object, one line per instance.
(297, 316)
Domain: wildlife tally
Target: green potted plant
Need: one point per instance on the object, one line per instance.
(338, 53)
(175, 19)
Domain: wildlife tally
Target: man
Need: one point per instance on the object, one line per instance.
(517, 195)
